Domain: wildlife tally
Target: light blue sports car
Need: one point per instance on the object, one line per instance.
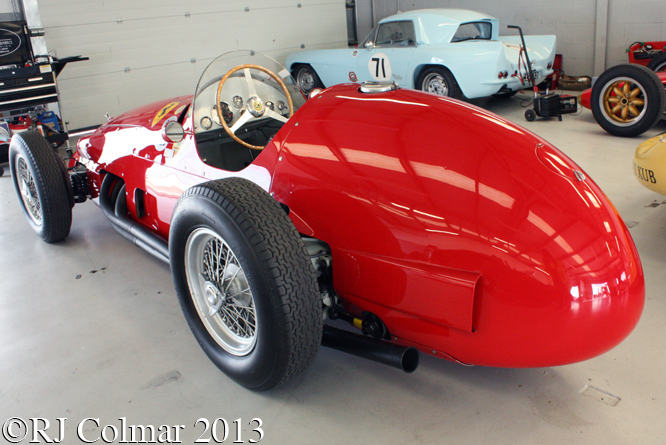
(450, 52)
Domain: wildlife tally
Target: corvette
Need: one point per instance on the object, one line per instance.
(449, 52)
(277, 214)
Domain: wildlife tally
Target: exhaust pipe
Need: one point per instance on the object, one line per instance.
(379, 351)
(110, 202)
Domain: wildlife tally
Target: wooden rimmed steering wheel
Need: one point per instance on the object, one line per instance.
(255, 107)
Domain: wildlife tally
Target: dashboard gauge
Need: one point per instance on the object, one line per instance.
(206, 123)
(281, 106)
(238, 101)
(226, 113)
(270, 105)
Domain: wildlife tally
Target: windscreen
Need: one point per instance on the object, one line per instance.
(473, 31)
(240, 87)
(242, 100)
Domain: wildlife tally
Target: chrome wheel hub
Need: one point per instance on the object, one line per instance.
(214, 297)
(220, 292)
(306, 80)
(435, 83)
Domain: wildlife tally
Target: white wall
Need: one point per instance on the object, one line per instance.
(572, 21)
(146, 50)
(630, 21)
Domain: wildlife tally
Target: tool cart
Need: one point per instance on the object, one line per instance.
(28, 88)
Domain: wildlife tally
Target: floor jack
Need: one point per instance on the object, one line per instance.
(548, 104)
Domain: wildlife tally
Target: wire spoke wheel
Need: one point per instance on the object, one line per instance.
(624, 100)
(42, 185)
(245, 282)
(221, 293)
(28, 190)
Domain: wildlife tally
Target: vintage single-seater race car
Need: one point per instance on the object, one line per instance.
(277, 214)
(450, 52)
(626, 100)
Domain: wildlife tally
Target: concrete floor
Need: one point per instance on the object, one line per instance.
(91, 328)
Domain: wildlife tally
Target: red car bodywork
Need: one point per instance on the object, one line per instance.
(640, 47)
(586, 96)
(470, 237)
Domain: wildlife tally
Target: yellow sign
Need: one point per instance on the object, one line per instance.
(164, 111)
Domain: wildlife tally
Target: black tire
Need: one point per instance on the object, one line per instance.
(440, 81)
(2, 171)
(530, 115)
(271, 261)
(306, 78)
(644, 104)
(658, 63)
(42, 185)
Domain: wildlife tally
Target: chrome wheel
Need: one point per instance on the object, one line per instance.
(305, 80)
(435, 83)
(221, 293)
(624, 101)
(28, 190)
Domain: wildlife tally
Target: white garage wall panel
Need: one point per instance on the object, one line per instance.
(146, 50)
(631, 21)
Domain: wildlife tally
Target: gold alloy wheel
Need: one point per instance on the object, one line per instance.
(624, 101)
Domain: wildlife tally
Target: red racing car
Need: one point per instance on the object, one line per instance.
(427, 223)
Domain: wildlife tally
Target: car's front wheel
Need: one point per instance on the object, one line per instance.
(307, 79)
(440, 81)
(245, 282)
(627, 100)
(42, 185)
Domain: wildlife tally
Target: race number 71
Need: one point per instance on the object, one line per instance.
(380, 62)
(379, 67)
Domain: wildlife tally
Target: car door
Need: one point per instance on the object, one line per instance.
(387, 55)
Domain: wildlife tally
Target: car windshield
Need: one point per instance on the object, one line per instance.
(473, 31)
(242, 100)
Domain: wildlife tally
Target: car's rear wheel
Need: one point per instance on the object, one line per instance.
(627, 100)
(307, 78)
(440, 81)
(42, 185)
(245, 282)
(658, 63)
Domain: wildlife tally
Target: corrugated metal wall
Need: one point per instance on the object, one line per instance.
(146, 50)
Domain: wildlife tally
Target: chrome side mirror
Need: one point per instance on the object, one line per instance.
(173, 131)
(369, 45)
